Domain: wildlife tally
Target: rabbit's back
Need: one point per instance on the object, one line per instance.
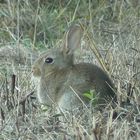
(84, 77)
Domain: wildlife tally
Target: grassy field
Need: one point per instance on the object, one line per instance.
(111, 40)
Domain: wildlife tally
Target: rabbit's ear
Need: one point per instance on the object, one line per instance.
(72, 39)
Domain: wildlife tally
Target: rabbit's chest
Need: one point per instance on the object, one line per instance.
(51, 87)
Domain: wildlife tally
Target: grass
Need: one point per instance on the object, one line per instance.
(111, 40)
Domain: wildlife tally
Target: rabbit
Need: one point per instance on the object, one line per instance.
(63, 83)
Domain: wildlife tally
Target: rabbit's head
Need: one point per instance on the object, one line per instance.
(59, 58)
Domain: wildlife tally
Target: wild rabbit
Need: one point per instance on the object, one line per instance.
(63, 83)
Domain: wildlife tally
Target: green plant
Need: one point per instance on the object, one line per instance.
(92, 97)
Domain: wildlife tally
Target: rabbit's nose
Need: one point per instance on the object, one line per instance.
(33, 69)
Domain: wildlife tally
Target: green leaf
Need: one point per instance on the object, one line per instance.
(44, 108)
(91, 95)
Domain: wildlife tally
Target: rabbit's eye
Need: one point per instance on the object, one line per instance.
(48, 60)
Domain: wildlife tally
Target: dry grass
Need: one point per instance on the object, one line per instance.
(111, 40)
